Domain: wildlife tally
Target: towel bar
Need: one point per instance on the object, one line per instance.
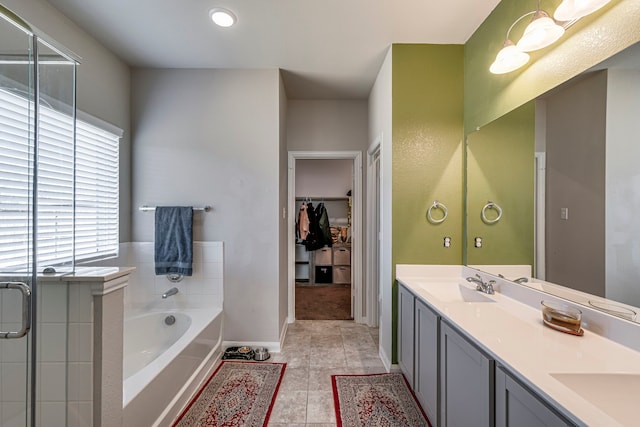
(153, 208)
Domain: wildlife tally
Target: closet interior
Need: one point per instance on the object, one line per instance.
(323, 239)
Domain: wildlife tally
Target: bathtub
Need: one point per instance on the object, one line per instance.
(163, 365)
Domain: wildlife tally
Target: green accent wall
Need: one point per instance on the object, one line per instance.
(427, 120)
(500, 168)
(585, 44)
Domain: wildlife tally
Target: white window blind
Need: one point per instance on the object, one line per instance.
(74, 223)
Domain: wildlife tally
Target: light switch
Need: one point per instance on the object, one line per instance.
(564, 213)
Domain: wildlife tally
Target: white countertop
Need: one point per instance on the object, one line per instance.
(512, 332)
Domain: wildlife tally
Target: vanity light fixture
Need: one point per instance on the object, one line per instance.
(570, 10)
(541, 32)
(223, 17)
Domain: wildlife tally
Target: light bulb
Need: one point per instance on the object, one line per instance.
(570, 10)
(509, 58)
(540, 33)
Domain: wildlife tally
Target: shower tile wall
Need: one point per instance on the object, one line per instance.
(59, 338)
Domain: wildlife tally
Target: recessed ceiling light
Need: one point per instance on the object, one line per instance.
(222, 17)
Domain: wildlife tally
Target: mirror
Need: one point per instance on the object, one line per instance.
(570, 190)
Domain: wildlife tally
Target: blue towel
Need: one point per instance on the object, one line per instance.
(174, 240)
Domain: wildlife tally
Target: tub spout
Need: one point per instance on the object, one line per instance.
(170, 292)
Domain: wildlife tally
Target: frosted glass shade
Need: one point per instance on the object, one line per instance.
(509, 58)
(576, 9)
(540, 33)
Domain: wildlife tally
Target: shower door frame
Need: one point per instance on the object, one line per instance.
(30, 296)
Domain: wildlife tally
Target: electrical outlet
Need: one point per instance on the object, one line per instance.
(447, 242)
(477, 242)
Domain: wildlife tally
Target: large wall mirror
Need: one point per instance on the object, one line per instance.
(555, 184)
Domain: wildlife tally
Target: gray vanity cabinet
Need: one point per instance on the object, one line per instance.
(425, 386)
(466, 382)
(516, 406)
(406, 307)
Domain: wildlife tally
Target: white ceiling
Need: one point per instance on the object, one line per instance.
(327, 48)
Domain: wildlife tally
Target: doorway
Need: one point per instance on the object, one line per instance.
(325, 281)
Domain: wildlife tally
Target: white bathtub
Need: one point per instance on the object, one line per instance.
(164, 364)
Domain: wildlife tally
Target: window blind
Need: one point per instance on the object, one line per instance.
(77, 202)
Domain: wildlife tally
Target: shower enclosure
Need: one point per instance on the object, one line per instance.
(37, 139)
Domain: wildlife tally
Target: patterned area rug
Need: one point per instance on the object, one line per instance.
(237, 394)
(376, 400)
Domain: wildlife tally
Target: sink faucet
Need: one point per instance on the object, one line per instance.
(170, 292)
(521, 280)
(481, 285)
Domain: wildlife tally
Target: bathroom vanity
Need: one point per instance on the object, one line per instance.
(488, 360)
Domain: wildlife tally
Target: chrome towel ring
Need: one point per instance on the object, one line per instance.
(491, 205)
(437, 205)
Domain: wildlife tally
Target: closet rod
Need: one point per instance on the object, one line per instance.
(320, 199)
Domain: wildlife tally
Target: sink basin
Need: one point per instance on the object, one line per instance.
(451, 292)
(615, 394)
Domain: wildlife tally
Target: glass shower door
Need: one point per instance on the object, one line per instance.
(17, 129)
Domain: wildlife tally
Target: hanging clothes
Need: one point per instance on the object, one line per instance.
(314, 237)
(319, 234)
(323, 225)
(302, 225)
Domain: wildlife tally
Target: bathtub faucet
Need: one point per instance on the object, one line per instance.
(170, 292)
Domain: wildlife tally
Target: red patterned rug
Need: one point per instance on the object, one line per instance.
(237, 394)
(376, 400)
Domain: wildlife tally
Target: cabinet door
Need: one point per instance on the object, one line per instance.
(406, 302)
(516, 406)
(466, 382)
(426, 360)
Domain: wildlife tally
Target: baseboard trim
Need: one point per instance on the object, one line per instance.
(386, 361)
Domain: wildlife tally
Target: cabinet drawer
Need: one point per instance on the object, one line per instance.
(341, 256)
(323, 256)
(341, 274)
(301, 254)
(302, 271)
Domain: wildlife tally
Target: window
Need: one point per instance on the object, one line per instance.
(77, 202)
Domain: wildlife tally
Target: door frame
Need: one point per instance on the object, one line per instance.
(356, 226)
(374, 244)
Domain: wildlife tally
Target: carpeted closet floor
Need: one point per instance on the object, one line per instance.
(323, 302)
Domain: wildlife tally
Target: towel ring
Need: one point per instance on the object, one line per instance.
(437, 205)
(491, 205)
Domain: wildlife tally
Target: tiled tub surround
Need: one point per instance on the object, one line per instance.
(512, 332)
(162, 385)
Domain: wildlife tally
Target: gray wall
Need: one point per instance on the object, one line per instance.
(576, 132)
(327, 125)
(103, 85)
(213, 137)
(283, 230)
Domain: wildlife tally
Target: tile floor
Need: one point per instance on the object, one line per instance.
(314, 350)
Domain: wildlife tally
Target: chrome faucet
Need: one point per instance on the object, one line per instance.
(521, 280)
(170, 292)
(481, 285)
